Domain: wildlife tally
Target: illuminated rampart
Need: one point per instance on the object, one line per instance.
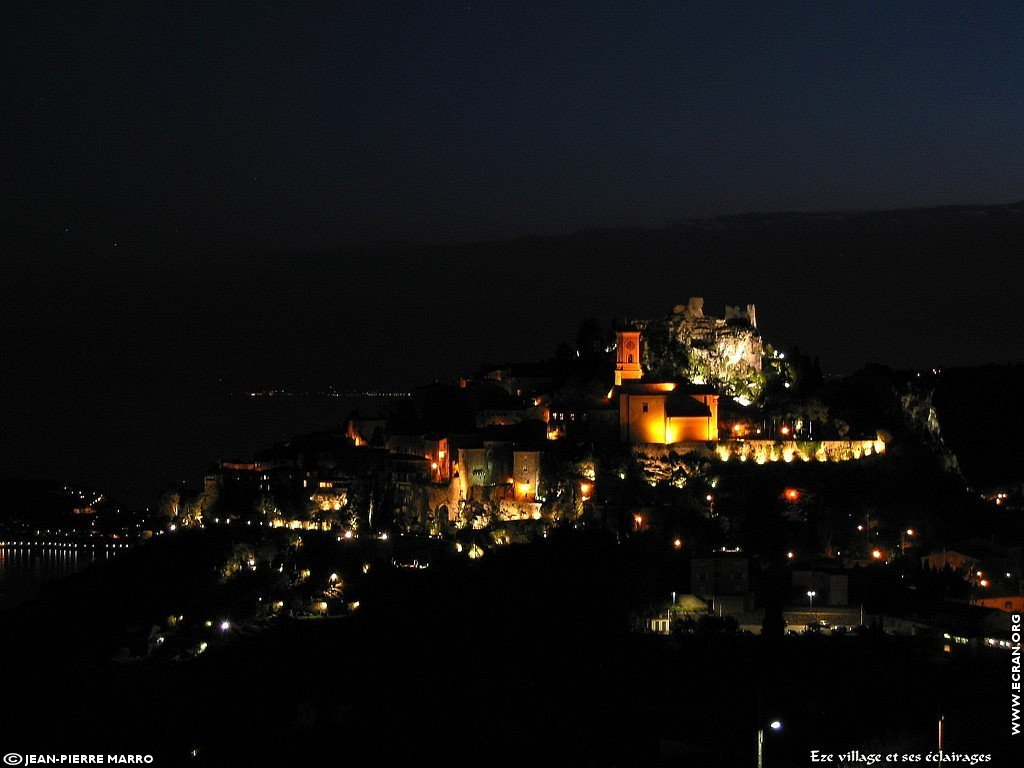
(765, 451)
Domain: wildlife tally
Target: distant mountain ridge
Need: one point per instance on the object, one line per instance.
(1013, 211)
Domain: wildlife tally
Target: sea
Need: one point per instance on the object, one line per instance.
(24, 569)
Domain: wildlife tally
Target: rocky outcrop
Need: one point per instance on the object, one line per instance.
(723, 351)
(920, 415)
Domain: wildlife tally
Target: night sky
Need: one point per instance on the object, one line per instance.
(281, 125)
(162, 167)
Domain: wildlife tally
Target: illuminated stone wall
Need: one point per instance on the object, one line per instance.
(765, 451)
(526, 473)
(690, 428)
(642, 418)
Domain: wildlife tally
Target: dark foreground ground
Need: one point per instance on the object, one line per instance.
(524, 658)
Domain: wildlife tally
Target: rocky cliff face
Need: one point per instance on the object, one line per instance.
(920, 415)
(723, 351)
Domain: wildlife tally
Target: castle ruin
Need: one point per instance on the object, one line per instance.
(726, 351)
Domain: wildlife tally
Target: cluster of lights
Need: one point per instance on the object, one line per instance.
(60, 544)
(761, 452)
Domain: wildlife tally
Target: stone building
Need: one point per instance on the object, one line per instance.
(663, 412)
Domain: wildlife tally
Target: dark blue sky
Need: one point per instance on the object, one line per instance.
(279, 125)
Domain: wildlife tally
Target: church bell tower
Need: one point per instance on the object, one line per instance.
(627, 355)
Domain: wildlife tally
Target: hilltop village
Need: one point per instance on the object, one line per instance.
(525, 442)
(775, 494)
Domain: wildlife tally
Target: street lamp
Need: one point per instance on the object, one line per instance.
(775, 725)
(810, 599)
(905, 536)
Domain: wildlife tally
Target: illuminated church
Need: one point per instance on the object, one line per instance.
(662, 412)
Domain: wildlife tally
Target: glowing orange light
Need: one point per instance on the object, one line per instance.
(785, 430)
(585, 489)
(877, 554)
(910, 531)
(678, 543)
(433, 465)
(440, 454)
(789, 555)
(791, 494)
(709, 497)
(983, 582)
